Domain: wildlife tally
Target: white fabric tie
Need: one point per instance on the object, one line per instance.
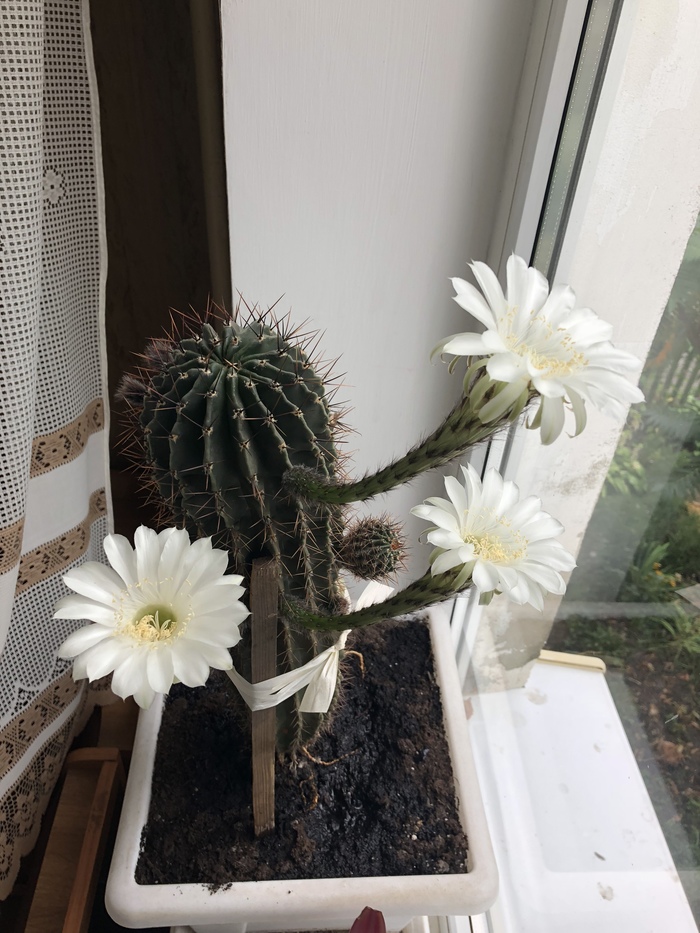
(319, 675)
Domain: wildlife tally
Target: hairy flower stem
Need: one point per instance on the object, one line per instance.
(460, 430)
(424, 592)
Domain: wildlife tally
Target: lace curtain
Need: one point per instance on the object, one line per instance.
(54, 492)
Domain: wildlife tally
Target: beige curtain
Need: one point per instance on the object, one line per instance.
(54, 492)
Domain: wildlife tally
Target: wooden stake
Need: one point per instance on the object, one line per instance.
(264, 592)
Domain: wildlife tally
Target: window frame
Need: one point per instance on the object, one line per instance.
(573, 67)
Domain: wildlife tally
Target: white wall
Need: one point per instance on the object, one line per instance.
(637, 205)
(365, 146)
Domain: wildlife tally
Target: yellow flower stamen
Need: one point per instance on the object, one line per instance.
(494, 547)
(551, 366)
(571, 361)
(150, 624)
(151, 627)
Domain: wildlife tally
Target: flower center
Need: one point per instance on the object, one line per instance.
(553, 352)
(153, 624)
(502, 546)
(558, 366)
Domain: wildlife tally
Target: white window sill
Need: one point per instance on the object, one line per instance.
(577, 840)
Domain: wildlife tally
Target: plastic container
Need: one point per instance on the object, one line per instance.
(319, 904)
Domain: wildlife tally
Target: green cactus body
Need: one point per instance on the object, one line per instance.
(223, 418)
(426, 591)
(372, 549)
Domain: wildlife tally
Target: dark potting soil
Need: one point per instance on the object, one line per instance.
(374, 796)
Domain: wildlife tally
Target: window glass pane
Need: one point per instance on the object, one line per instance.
(634, 599)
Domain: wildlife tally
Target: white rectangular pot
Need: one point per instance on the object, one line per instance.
(318, 904)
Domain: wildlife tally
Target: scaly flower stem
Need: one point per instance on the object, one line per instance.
(460, 430)
(424, 592)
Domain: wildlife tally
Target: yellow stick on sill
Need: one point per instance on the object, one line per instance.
(572, 660)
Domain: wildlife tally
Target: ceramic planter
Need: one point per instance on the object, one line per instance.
(321, 904)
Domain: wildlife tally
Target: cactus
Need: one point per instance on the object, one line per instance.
(220, 418)
(236, 433)
(372, 549)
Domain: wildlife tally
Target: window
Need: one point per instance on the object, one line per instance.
(619, 217)
(634, 599)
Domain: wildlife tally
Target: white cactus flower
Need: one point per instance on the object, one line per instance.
(537, 340)
(163, 612)
(504, 544)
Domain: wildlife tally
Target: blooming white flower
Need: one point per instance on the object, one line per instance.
(503, 543)
(163, 612)
(535, 339)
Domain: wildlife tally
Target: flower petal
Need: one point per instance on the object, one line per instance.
(121, 556)
(542, 526)
(492, 490)
(536, 598)
(534, 295)
(130, 677)
(210, 598)
(501, 402)
(171, 558)
(508, 577)
(223, 631)
(446, 561)
(79, 607)
(83, 639)
(231, 579)
(509, 498)
(96, 581)
(552, 419)
(102, 657)
(445, 539)
(144, 694)
(458, 496)
(485, 576)
(472, 301)
(516, 279)
(472, 485)
(160, 669)
(524, 511)
(559, 306)
(491, 288)
(216, 656)
(552, 554)
(507, 367)
(465, 345)
(442, 519)
(147, 550)
(520, 594)
(545, 576)
(190, 667)
(207, 570)
(579, 409)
